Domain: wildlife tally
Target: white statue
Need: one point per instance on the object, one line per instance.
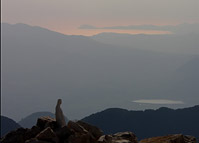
(59, 114)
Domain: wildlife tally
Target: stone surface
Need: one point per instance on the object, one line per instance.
(21, 135)
(178, 138)
(105, 139)
(76, 127)
(81, 138)
(80, 133)
(15, 136)
(48, 135)
(44, 122)
(122, 137)
(34, 140)
(31, 133)
(93, 130)
(63, 133)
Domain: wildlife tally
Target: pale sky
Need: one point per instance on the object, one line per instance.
(66, 16)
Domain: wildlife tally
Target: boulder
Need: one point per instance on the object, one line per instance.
(48, 135)
(15, 136)
(34, 140)
(44, 122)
(31, 133)
(80, 138)
(177, 138)
(76, 127)
(122, 137)
(105, 139)
(126, 136)
(21, 135)
(63, 133)
(93, 130)
(82, 133)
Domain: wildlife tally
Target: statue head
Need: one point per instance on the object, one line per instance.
(59, 101)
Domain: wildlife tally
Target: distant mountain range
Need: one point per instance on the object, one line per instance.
(147, 123)
(8, 125)
(39, 66)
(144, 124)
(167, 43)
(31, 119)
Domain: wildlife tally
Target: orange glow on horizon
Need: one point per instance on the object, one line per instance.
(71, 28)
(91, 32)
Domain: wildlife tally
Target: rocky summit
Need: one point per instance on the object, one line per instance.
(47, 131)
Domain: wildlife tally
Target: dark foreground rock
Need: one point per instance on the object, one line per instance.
(178, 138)
(123, 137)
(47, 131)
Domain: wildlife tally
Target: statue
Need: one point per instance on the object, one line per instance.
(59, 114)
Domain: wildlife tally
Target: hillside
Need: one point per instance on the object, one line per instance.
(8, 125)
(31, 119)
(147, 123)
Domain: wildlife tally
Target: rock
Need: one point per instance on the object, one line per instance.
(96, 132)
(178, 138)
(63, 133)
(21, 135)
(44, 122)
(81, 135)
(76, 127)
(105, 139)
(34, 140)
(48, 135)
(15, 136)
(126, 136)
(80, 138)
(190, 139)
(31, 133)
(122, 137)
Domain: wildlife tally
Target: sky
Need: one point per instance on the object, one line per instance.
(66, 16)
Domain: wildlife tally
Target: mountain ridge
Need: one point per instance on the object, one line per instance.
(163, 121)
(7, 125)
(38, 64)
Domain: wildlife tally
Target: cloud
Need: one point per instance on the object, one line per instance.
(85, 26)
(157, 101)
(178, 29)
(130, 27)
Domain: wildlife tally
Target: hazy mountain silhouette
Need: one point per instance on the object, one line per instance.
(31, 119)
(168, 43)
(185, 80)
(39, 66)
(149, 122)
(184, 28)
(7, 125)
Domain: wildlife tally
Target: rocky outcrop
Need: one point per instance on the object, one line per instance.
(123, 137)
(48, 131)
(48, 135)
(44, 122)
(178, 138)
